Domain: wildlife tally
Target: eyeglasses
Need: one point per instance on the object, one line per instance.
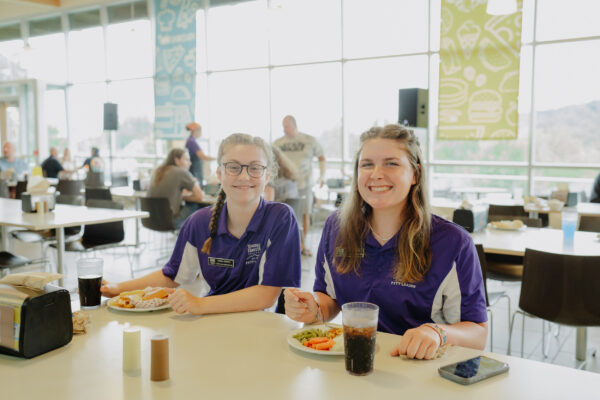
(235, 168)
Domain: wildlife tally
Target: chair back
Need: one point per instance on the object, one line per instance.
(464, 218)
(161, 216)
(506, 212)
(69, 187)
(561, 288)
(119, 180)
(4, 191)
(94, 179)
(97, 193)
(105, 233)
(21, 187)
(483, 264)
(589, 223)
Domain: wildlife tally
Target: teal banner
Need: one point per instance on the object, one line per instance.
(175, 79)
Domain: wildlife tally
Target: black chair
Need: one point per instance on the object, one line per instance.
(10, 260)
(559, 288)
(491, 298)
(97, 193)
(506, 211)
(464, 218)
(21, 187)
(94, 179)
(161, 216)
(119, 180)
(589, 223)
(69, 187)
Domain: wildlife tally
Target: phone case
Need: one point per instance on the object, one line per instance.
(446, 372)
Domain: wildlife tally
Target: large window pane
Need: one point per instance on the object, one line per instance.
(371, 93)
(237, 35)
(567, 100)
(56, 118)
(135, 99)
(559, 19)
(11, 59)
(547, 180)
(10, 32)
(239, 102)
(84, 19)
(384, 27)
(85, 103)
(292, 41)
(129, 50)
(47, 58)
(86, 55)
(312, 95)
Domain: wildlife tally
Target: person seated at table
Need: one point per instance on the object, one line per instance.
(595, 197)
(245, 248)
(9, 162)
(52, 167)
(385, 247)
(173, 181)
(284, 185)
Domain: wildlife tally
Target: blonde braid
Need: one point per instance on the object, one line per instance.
(214, 221)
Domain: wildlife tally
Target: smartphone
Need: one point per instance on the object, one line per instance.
(473, 370)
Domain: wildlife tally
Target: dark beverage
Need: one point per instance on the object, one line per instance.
(89, 290)
(359, 349)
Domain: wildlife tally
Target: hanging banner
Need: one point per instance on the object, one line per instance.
(479, 72)
(175, 79)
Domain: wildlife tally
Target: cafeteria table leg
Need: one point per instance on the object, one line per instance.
(581, 343)
(137, 222)
(4, 238)
(60, 252)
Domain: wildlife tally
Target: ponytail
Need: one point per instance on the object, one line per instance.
(214, 221)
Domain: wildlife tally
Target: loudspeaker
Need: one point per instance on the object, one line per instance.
(413, 107)
(111, 118)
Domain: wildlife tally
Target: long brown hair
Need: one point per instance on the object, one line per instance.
(414, 253)
(232, 140)
(160, 172)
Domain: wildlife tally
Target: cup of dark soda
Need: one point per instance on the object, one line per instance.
(360, 331)
(89, 279)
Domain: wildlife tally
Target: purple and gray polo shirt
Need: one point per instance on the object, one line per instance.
(268, 253)
(451, 291)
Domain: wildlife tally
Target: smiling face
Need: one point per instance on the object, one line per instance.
(243, 189)
(385, 175)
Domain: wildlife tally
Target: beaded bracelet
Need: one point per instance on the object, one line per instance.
(316, 314)
(440, 331)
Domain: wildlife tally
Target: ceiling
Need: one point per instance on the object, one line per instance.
(11, 10)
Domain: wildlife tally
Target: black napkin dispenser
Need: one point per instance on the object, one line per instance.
(33, 322)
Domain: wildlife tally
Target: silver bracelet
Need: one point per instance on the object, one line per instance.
(316, 314)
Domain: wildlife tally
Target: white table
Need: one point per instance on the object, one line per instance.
(544, 239)
(246, 356)
(62, 216)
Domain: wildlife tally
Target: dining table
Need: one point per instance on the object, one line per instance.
(515, 241)
(12, 215)
(247, 356)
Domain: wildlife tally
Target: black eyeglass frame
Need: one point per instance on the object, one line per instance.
(248, 166)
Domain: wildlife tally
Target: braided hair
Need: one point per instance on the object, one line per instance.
(232, 140)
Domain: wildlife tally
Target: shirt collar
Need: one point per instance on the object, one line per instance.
(254, 221)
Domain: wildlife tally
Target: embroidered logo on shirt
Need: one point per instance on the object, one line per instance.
(253, 253)
(408, 285)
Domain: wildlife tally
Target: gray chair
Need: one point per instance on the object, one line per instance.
(66, 186)
(589, 223)
(94, 179)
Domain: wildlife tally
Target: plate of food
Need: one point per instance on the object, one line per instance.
(148, 299)
(318, 339)
(513, 225)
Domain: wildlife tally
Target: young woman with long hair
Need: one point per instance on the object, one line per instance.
(385, 247)
(244, 248)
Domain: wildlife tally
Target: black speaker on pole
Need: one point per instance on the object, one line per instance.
(111, 118)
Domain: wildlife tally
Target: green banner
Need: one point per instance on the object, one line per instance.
(479, 72)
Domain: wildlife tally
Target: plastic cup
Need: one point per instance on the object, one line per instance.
(89, 278)
(569, 224)
(360, 332)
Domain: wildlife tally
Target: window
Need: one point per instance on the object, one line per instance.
(56, 118)
(86, 102)
(47, 59)
(86, 55)
(558, 19)
(129, 50)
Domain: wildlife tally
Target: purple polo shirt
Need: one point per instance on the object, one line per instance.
(268, 253)
(451, 291)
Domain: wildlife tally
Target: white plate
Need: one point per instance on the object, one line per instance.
(295, 343)
(164, 306)
(522, 228)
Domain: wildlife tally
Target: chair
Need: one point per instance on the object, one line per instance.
(4, 191)
(20, 188)
(559, 288)
(119, 179)
(491, 298)
(97, 193)
(94, 179)
(73, 188)
(589, 223)
(506, 212)
(10, 260)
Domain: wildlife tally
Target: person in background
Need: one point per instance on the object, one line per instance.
(244, 248)
(595, 197)
(66, 160)
(9, 161)
(284, 186)
(197, 156)
(301, 149)
(52, 167)
(384, 247)
(93, 163)
(174, 181)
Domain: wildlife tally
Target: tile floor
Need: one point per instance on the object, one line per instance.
(117, 268)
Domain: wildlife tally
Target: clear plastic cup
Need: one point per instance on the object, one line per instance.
(89, 279)
(360, 332)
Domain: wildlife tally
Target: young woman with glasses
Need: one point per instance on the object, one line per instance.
(244, 248)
